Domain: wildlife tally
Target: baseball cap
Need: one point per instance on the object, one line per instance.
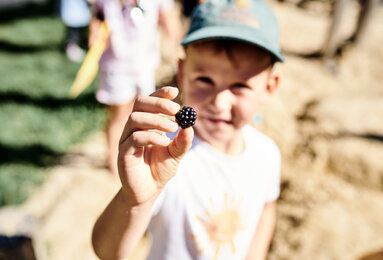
(251, 21)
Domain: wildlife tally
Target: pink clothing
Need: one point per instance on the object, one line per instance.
(133, 44)
(120, 88)
(128, 64)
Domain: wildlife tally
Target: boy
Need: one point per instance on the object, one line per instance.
(212, 195)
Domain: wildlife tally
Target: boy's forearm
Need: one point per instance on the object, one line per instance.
(119, 228)
(260, 244)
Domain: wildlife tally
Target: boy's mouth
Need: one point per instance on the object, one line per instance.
(218, 121)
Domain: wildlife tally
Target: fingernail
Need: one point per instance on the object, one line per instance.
(173, 124)
(174, 107)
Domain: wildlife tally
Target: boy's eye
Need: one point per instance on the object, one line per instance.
(239, 85)
(239, 88)
(205, 80)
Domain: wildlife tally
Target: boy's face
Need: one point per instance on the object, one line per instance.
(225, 92)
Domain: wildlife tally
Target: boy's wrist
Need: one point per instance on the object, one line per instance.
(131, 205)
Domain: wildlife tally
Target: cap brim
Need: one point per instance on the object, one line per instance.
(217, 32)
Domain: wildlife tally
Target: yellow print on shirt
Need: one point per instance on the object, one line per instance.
(221, 226)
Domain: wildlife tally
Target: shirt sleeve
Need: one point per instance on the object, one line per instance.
(274, 174)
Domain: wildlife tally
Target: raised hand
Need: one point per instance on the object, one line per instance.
(148, 159)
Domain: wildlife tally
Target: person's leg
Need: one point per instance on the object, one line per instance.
(73, 49)
(367, 7)
(117, 117)
(118, 92)
(332, 42)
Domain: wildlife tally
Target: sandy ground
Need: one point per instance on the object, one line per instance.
(71, 199)
(329, 128)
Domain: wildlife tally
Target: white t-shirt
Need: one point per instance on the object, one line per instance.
(211, 208)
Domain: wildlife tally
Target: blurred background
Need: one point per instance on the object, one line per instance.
(327, 119)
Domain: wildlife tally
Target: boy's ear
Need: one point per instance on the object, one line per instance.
(273, 82)
(272, 85)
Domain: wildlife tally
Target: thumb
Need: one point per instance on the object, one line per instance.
(181, 143)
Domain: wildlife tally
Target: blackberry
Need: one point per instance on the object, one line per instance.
(186, 117)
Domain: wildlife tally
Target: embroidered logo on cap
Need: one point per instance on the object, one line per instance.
(240, 13)
(242, 3)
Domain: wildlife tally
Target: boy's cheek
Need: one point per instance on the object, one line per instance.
(247, 112)
(195, 96)
(265, 98)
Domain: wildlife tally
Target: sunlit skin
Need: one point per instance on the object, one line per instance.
(226, 92)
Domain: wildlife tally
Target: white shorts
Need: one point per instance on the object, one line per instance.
(121, 88)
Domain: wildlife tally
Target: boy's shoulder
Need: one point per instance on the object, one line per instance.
(258, 140)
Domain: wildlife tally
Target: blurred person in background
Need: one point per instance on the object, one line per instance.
(128, 64)
(334, 45)
(76, 16)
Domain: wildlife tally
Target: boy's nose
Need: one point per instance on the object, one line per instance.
(222, 100)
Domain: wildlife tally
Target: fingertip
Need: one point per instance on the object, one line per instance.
(174, 107)
(181, 143)
(168, 92)
(186, 135)
(187, 132)
(165, 141)
(172, 90)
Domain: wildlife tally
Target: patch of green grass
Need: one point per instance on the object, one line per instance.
(39, 122)
(18, 181)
